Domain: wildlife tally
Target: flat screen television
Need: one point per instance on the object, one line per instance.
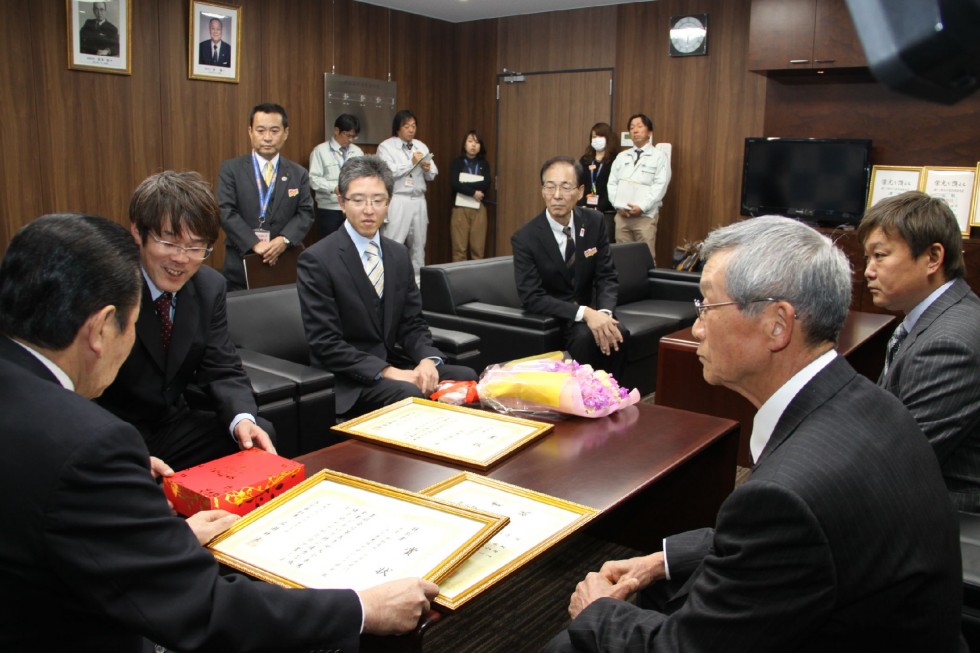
(817, 180)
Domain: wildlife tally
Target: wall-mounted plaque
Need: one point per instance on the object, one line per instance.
(371, 100)
(955, 186)
(888, 181)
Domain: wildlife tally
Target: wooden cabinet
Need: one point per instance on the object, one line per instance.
(803, 35)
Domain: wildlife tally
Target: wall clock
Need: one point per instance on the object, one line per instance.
(688, 35)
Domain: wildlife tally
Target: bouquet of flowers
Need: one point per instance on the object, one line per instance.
(552, 383)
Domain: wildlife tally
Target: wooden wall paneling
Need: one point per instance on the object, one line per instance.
(558, 40)
(704, 106)
(99, 134)
(20, 167)
(903, 130)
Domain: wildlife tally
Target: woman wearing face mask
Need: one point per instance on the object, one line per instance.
(470, 180)
(596, 163)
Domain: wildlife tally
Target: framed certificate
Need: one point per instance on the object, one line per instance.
(888, 181)
(975, 211)
(537, 522)
(474, 438)
(340, 531)
(955, 186)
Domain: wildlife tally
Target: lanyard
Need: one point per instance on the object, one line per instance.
(476, 166)
(340, 155)
(594, 174)
(267, 195)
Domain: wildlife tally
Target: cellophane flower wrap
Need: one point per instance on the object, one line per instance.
(552, 383)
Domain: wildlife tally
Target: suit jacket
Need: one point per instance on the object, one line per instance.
(349, 334)
(149, 388)
(546, 285)
(93, 557)
(842, 539)
(94, 37)
(289, 214)
(205, 54)
(936, 374)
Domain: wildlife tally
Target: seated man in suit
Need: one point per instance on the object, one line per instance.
(214, 51)
(361, 308)
(914, 253)
(91, 558)
(842, 538)
(265, 198)
(182, 342)
(563, 268)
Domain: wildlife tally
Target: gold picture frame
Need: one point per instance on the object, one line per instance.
(537, 522)
(888, 181)
(975, 210)
(214, 42)
(99, 36)
(338, 531)
(956, 186)
(470, 437)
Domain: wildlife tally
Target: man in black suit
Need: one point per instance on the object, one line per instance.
(361, 308)
(91, 558)
(214, 51)
(563, 268)
(265, 198)
(183, 350)
(914, 253)
(842, 538)
(98, 36)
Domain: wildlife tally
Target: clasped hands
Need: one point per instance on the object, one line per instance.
(270, 251)
(617, 579)
(425, 376)
(633, 211)
(605, 330)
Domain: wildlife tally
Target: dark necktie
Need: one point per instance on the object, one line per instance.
(214, 55)
(162, 307)
(893, 345)
(569, 247)
(638, 153)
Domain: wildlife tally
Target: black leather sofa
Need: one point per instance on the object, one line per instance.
(480, 297)
(266, 326)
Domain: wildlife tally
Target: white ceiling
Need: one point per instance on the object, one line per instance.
(461, 11)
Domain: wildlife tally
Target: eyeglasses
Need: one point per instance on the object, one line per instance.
(564, 189)
(350, 135)
(193, 252)
(361, 202)
(704, 308)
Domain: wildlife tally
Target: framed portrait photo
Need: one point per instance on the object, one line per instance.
(214, 42)
(98, 36)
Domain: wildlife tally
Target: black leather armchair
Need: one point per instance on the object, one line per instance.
(480, 297)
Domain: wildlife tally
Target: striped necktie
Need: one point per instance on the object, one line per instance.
(374, 268)
(893, 345)
(569, 246)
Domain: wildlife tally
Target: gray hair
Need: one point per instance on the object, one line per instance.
(365, 166)
(778, 257)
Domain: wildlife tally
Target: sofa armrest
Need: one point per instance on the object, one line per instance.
(307, 378)
(496, 314)
(674, 285)
(453, 342)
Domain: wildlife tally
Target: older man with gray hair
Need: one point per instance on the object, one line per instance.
(843, 537)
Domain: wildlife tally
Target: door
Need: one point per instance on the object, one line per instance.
(541, 115)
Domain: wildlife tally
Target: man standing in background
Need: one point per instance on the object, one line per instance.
(265, 198)
(637, 185)
(325, 163)
(411, 163)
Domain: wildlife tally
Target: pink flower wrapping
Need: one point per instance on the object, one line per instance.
(551, 384)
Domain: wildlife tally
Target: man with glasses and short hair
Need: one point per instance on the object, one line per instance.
(842, 538)
(563, 268)
(361, 308)
(325, 163)
(182, 334)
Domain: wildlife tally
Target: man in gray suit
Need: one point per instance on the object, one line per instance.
(265, 199)
(842, 538)
(914, 253)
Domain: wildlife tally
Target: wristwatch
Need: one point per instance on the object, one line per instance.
(286, 240)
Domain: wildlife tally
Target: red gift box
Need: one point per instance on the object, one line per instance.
(238, 483)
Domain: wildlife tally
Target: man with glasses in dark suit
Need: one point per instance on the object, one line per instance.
(182, 343)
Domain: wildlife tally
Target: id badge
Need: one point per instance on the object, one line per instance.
(592, 200)
(409, 182)
(262, 235)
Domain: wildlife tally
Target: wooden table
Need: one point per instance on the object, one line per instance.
(651, 471)
(681, 384)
